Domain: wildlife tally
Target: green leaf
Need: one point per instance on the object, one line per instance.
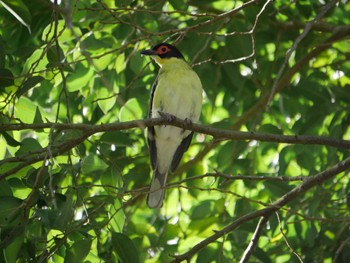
(277, 188)
(204, 224)
(106, 101)
(5, 188)
(78, 251)
(111, 177)
(25, 110)
(65, 36)
(9, 140)
(36, 59)
(92, 164)
(37, 177)
(208, 255)
(38, 118)
(117, 138)
(66, 135)
(130, 111)
(2, 53)
(120, 63)
(124, 248)
(80, 78)
(203, 210)
(347, 190)
(19, 10)
(10, 210)
(270, 128)
(55, 54)
(11, 252)
(28, 145)
(63, 215)
(6, 78)
(226, 155)
(137, 63)
(28, 84)
(119, 218)
(178, 4)
(57, 59)
(262, 255)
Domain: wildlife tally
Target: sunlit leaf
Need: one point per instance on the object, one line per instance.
(105, 100)
(25, 110)
(65, 35)
(10, 140)
(130, 111)
(80, 79)
(78, 251)
(28, 84)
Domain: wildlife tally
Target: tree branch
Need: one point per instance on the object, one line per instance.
(228, 177)
(254, 240)
(89, 130)
(92, 129)
(216, 133)
(268, 211)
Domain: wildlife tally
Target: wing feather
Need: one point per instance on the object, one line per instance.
(183, 147)
(151, 132)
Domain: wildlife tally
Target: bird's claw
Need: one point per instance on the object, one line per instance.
(167, 116)
(188, 122)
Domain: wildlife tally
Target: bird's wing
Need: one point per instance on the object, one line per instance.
(180, 151)
(151, 133)
(152, 146)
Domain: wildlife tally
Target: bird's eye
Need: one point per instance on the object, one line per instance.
(163, 50)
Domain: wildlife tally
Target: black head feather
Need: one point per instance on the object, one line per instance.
(163, 50)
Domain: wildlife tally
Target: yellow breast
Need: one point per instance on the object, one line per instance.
(179, 90)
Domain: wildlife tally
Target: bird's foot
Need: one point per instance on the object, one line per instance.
(167, 116)
(188, 123)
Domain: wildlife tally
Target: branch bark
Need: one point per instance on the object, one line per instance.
(216, 133)
(88, 130)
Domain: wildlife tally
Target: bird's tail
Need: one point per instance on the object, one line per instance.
(156, 193)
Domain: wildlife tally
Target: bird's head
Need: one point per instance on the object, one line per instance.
(162, 53)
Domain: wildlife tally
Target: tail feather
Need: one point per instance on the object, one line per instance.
(156, 193)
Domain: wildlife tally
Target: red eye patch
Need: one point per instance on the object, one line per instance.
(162, 50)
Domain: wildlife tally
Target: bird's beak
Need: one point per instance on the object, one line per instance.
(148, 52)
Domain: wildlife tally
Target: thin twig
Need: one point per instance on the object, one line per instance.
(254, 240)
(285, 238)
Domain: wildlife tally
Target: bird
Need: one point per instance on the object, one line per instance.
(177, 91)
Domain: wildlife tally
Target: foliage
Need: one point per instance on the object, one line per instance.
(76, 193)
